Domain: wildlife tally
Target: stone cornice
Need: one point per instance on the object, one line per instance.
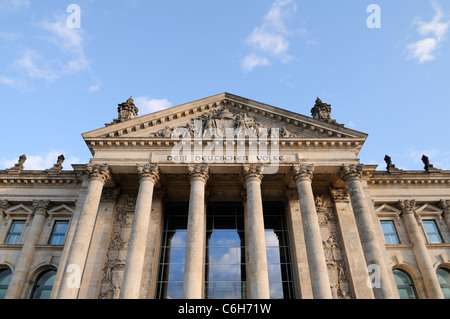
(33, 178)
(409, 179)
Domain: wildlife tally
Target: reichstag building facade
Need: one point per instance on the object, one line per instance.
(224, 198)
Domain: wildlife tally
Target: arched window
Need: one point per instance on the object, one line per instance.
(444, 280)
(44, 284)
(5, 278)
(404, 284)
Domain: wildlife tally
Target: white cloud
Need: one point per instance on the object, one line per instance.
(424, 50)
(252, 60)
(438, 158)
(149, 105)
(35, 66)
(13, 5)
(95, 87)
(42, 162)
(271, 37)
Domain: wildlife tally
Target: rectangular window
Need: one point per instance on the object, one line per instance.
(59, 233)
(390, 234)
(432, 232)
(15, 232)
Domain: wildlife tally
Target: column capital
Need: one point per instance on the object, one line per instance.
(351, 171)
(198, 171)
(148, 172)
(99, 172)
(253, 171)
(302, 172)
(41, 206)
(407, 206)
(340, 195)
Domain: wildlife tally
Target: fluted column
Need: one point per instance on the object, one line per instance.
(196, 234)
(76, 259)
(351, 174)
(256, 254)
(313, 240)
(420, 250)
(26, 256)
(148, 176)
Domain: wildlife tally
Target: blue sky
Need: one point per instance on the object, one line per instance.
(391, 82)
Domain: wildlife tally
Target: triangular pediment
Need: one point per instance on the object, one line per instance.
(222, 112)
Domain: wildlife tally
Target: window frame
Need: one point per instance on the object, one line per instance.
(448, 282)
(438, 231)
(38, 278)
(10, 274)
(411, 280)
(55, 222)
(395, 229)
(8, 233)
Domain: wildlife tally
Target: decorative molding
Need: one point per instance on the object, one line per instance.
(252, 171)
(303, 172)
(340, 195)
(148, 172)
(351, 172)
(198, 171)
(110, 193)
(41, 206)
(99, 172)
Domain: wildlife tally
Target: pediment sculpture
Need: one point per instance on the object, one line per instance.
(217, 123)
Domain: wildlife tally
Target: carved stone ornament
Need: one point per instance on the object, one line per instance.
(321, 111)
(20, 164)
(340, 195)
(127, 111)
(221, 122)
(303, 172)
(97, 171)
(58, 165)
(444, 204)
(352, 171)
(407, 206)
(110, 193)
(149, 171)
(4, 205)
(41, 206)
(251, 171)
(198, 171)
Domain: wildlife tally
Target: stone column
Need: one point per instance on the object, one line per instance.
(423, 259)
(196, 232)
(148, 176)
(351, 174)
(356, 263)
(76, 259)
(26, 256)
(256, 254)
(445, 205)
(313, 239)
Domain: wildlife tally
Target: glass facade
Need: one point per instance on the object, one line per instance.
(278, 257)
(225, 269)
(389, 231)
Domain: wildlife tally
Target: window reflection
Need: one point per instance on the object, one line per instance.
(277, 248)
(225, 264)
(173, 251)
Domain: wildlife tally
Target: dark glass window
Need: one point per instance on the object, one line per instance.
(44, 284)
(434, 237)
(278, 257)
(225, 257)
(390, 234)
(59, 233)
(15, 232)
(5, 278)
(404, 284)
(444, 280)
(173, 251)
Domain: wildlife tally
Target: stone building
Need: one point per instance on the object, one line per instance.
(224, 197)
